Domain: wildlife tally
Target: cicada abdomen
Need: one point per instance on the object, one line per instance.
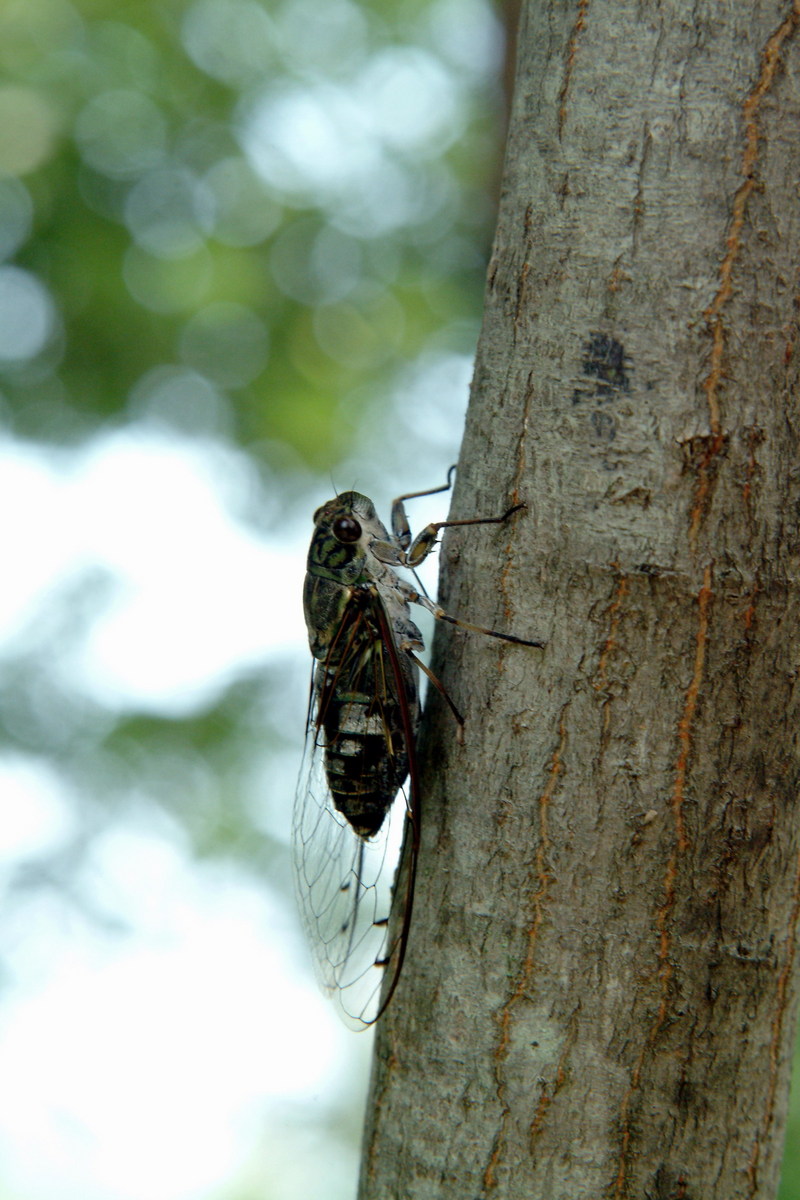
(360, 747)
(361, 713)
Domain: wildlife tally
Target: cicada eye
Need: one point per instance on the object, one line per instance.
(346, 529)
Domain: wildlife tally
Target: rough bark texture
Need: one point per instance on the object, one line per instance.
(600, 990)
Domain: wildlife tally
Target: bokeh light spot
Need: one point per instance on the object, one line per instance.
(168, 286)
(16, 216)
(244, 213)
(226, 342)
(412, 99)
(313, 265)
(330, 37)
(232, 41)
(28, 127)
(183, 400)
(309, 141)
(121, 133)
(363, 335)
(169, 212)
(468, 34)
(35, 817)
(26, 315)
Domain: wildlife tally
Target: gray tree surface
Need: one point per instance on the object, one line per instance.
(600, 989)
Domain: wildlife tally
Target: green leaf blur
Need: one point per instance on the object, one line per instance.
(289, 199)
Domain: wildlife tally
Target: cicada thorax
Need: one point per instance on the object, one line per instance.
(361, 717)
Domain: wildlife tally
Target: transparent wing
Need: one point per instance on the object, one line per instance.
(344, 891)
(344, 880)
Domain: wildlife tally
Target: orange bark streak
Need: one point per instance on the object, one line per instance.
(680, 845)
(776, 1040)
(770, 59)
(544, 878)
(572, 48)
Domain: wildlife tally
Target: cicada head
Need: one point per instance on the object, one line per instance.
(345, 527)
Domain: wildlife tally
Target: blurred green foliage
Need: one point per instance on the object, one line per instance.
(289, 200)
(240, 220)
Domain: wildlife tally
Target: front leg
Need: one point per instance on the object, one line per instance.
(424, 542)
(398, 554)
(401, 531)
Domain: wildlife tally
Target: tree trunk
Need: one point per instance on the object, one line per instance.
(599, 995)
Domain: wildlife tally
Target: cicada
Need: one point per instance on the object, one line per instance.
(360, 744)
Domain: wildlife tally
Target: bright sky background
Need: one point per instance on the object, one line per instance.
(103, 1037)
(145, 1065)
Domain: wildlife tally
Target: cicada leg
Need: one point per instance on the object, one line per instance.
(436, 681)
(400, 526)
(424, 542)
(415, 597)
(404, 551)
(438, 612)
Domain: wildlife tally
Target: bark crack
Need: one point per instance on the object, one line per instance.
(600, 681)
(370, 1167)
(519, 475)
(680, 845)
(639, 207)
(777, 1037)
(572, 48)
(543, 879)
(520, 469)
(547, 1097)
(770, 60)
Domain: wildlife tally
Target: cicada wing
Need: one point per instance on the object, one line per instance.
(344, 891)
(344, 879)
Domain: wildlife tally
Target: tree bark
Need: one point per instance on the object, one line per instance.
(600, 990)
